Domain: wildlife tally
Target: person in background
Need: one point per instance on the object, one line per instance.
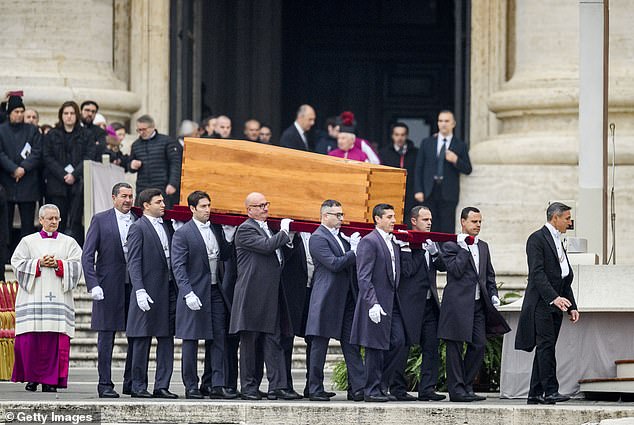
(266, 134)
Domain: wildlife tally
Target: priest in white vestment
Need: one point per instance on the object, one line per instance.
(48, 266)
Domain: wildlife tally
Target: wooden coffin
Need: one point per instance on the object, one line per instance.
(294, 182)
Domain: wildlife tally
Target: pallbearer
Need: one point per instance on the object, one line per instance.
(197, 251)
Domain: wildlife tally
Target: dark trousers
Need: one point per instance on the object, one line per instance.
(351, 354)
(380, 364)
(214, 373)
(287, 346)
(5, 231)
(164, 362)
(273, 355)
(232, 344)
(27, 217)
(544, 375)
(430, 361)
(461, 372)
(443, 211)
(105, 344)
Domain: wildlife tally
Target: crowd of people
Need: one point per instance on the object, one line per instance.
(253, 290)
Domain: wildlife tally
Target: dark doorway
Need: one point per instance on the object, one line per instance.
(385, 60)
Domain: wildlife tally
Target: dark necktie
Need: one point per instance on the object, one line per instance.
(440, 165)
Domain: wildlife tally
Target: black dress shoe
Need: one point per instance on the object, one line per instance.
(49, 388)
(461, 398)
(262, 394)
(163, 393)
(404, 397)
(195, 394)
(205, 391)
(140, 394)
(476, 397)
(31, 386)
(330, 394)
(556, 398)
(319, 397)
(222, 393)
(431, 396)
(376, 398)
(283, 394)
(108, 393)
(126, 391)
(356, 396)
(251, 397)
(390, 397)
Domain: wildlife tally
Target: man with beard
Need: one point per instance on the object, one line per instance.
(89, 110)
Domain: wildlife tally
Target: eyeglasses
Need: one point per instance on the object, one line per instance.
(261, 206)
(338, 215)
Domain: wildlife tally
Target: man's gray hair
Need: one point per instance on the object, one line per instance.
(45, 207)
(556, 209)
(146, 119)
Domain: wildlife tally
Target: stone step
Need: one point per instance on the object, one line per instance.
(611, 389)
(624, 368)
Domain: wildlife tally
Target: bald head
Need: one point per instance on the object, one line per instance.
(257, 206)
(306, 117)
(252, 130)
(223, 126)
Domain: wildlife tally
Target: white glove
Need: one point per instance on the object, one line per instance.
(401, 243)
(97, 293)
(354, 240)
(376, 312)
(496, 301)
(461, 241)
(143, 300)
(285, 224)
(192, 301)
(229, 231)
(431, 247)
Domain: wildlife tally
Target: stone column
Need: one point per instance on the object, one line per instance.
(58, 51)
(524, 124)
(150, 59)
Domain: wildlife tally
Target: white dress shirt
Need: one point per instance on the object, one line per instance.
(124, 221)
(266, 229)
(157, 222)
(335, 233)
(442, 139)
(302, 134)
(475, 254)
(563, 264)
(387, 238)
(212, 247)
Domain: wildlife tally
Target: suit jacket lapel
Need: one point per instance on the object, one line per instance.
(155, 237)
(332, 239)
(551, 241)
(260, 229)
(397, 263)
(386, 255)
(113, 224)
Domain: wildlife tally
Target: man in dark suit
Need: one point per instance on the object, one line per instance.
(548, 294)
(469, 300)
(259, 312)
(441, 159)
(198, 247)
(295, 136)
(153, 309)
(108, 281)
(420, 308)
(377, 323)
(402, 153)
(333, 300)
